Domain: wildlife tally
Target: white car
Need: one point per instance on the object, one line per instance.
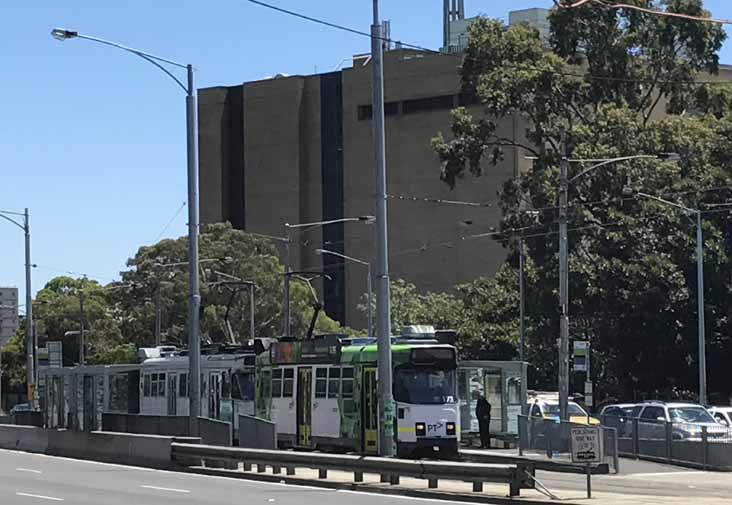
(723, 415)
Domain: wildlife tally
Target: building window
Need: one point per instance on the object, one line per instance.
(365, 112)
(427, 104)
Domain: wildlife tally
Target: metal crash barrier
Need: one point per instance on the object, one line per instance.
(389, 469)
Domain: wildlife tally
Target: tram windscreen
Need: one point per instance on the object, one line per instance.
(423, 386)
(244, 387)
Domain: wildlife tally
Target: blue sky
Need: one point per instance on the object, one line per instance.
(92, 139)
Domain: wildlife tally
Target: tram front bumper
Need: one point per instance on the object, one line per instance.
(442, 448)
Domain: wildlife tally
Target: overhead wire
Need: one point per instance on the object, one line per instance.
(521, 67)
(170, 222)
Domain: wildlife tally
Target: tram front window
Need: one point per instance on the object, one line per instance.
(427, 387)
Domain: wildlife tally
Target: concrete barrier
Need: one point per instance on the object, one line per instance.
(174, 426)
(23, 438)
(257, 433)
(214, 432)
(123, 448)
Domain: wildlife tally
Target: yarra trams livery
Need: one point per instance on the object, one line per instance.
(322, 393)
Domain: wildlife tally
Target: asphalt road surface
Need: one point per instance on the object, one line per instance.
(30, 479)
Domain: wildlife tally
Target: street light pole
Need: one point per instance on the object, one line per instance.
(701, 337)
(369, 291)
(700, 308)
(563, 284)
(194, 296)
(522, 304)
(383, 303)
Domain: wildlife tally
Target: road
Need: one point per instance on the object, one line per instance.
(31, 479)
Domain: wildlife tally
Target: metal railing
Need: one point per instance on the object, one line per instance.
(695, 445)
(551, 438)
(389, 469)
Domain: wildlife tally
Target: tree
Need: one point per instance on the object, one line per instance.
(632, 263)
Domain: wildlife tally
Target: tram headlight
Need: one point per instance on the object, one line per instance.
(421, 429)
(450, 428)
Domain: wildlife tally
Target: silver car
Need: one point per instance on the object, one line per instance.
(687, 422)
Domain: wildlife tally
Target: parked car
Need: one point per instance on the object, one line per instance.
(20, 407)
(687, 421)
(619, 416)
(723, 415)
(549, 409)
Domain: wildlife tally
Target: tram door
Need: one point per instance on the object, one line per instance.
(89, 403)
(369, 412)
(304, 405)
(172, 394)
(214, 396)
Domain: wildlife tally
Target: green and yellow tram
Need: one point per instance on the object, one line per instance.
(322, 393)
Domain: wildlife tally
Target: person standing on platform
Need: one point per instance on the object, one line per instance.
(483, 413)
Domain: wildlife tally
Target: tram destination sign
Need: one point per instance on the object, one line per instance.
(586, 445)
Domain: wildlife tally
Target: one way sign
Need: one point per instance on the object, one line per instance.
(586, 445)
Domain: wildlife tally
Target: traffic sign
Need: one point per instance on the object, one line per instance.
(586, 445)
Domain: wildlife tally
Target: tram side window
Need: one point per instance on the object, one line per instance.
(334, 382)
(183, 385)
(277, 383)
(118, 390)
(146, 385)
(157, 384)
(288, 384)
(347, 383)
(321, 382)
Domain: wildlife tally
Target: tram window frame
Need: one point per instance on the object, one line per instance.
(225, 385)
(153, 385)
(288, 383)
(347, 386)
(183, 385)
(277, 383)
(146, 385)
(334, 382)
(321, 382)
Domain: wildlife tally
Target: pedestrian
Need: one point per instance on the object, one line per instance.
(483, 413)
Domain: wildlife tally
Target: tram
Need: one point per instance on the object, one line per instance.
(321, 393)
(76, 397)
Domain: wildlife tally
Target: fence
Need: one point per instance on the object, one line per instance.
(551, 438)
(389, 469)
(694, 445)
(211, 431)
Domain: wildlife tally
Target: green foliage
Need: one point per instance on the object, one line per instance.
(13, 361)
(124, 353)
(632, 261)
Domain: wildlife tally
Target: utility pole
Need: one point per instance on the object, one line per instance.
(286, 293)
(251, 310)
(29, 336)
(194, 302)
(383, 304)
(82, 344)
(522, 304)
(158, 314)
(700, 308)
(563, 284)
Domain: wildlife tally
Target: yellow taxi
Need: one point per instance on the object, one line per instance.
(548, 408)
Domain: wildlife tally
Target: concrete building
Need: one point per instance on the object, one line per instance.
(9, 320)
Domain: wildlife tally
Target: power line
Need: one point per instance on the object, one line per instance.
(165, 228)
(505, 65)
(71, 272)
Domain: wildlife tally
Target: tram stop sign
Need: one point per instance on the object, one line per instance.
(586, 445)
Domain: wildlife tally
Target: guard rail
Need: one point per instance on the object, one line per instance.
(389, 469)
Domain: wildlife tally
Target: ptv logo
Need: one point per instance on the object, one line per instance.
(432, 428)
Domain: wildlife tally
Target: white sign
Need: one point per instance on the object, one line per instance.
(55, 354)
(581, 353)
(586, 445)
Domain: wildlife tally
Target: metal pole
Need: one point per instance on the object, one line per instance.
(29, 337)
(563, 285)
(286, 294)
(82, 354)
(251, 310)
(369, 296)
(158, 315)
(194, 301)
(383, 309)
(522, 304)
(700, 304)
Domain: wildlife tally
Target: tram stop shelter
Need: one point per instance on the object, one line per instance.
(503, 383)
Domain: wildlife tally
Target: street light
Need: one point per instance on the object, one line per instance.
(194, 301)
(368, 281)
(286, 327)
(564, 182)
(696, 221)
(29, 333)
